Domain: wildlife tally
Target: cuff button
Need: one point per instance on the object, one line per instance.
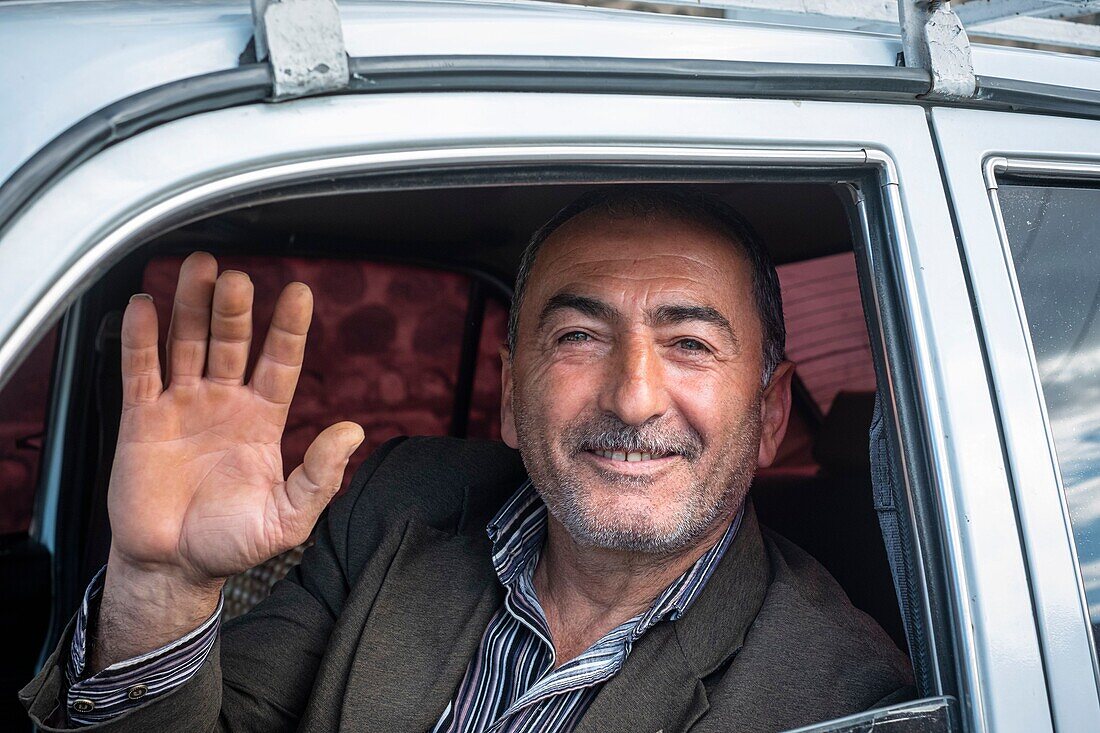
(137, 692)
(83, 705)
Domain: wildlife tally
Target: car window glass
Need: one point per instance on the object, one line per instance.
(1054, 235)
(23, 404)
(826, 331)
(827, 341)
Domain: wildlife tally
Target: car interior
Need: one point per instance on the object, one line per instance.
(412, 288)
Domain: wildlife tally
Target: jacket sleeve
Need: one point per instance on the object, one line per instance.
(260, 672)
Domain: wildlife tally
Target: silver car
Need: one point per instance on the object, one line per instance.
(933, 202)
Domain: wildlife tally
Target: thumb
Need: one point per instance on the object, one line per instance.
(312, 484)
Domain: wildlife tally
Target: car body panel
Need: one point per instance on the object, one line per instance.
(970, 141)
(73, 58)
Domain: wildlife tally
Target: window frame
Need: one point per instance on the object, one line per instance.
(976, 151)
(875, 147)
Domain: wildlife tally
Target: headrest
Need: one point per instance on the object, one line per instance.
(841, 444)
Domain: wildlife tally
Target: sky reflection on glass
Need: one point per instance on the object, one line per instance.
(1054, 234)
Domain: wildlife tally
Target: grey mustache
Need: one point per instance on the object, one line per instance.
(609, 434)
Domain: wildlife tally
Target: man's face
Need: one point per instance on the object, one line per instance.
(635, 394)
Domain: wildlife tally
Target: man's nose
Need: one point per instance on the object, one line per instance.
(636, 389)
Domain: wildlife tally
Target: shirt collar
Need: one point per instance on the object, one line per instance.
(519, 528)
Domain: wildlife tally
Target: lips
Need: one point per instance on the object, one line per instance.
(630, 456)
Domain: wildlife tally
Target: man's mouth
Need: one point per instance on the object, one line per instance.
(629, 456)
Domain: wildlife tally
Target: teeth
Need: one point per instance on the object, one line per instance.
(619, 455)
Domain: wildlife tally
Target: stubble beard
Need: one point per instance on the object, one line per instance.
(712, 492)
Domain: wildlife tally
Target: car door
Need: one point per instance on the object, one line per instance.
(975, 646)
(1026, 193)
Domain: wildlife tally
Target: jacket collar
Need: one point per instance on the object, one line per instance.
(423, 628)
(716, 626)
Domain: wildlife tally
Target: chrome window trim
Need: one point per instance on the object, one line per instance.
(893, 208)
(1049, 172)
(114, 244)
(46, 499)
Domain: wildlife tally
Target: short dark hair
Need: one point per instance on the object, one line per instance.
(681, 202)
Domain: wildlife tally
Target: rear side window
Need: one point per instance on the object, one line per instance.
(826, 331)
(1054, 235)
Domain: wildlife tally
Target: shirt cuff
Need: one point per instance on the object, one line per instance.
(126, 685)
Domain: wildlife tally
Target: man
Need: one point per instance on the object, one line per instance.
(615, 579)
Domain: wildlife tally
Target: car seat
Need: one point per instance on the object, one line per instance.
(831, 513)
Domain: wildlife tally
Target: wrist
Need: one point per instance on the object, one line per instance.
(144, 608)
(162, 586)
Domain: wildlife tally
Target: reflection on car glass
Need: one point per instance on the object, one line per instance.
(1054, 234)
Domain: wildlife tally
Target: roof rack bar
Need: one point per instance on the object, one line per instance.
(1043, 30)
(933, 38)
(882, 16)
(978, 12)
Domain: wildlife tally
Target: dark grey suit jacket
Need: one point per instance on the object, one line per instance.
(374, 630)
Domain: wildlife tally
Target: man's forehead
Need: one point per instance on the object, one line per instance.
(656, 253)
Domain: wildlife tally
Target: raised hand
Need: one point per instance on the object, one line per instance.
(197, 489)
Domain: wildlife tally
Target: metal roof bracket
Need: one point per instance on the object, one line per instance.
(304, 43)
(933, 38)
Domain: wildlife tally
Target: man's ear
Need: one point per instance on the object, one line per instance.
(775, 410)
(507, 417)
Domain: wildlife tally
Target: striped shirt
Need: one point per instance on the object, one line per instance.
(510, 685)
(130, 683)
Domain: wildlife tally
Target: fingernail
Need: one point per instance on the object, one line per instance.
(226, 272)
(143, 296)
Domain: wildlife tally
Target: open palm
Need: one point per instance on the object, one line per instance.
(197, 485)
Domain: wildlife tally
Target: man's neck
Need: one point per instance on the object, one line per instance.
(585, 592)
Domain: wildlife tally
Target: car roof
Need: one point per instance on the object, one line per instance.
(69, 58)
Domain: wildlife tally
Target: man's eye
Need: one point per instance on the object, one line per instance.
(692, 345)
(574, 336)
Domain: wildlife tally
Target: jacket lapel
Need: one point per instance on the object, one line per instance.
(714, 628)
(656, 690)
(424, 627)
(660, 686)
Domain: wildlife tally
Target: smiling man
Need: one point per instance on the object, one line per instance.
(615, 578)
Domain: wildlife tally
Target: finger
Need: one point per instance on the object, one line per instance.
(141, 379)
(190, 325)
(230, 328)
(280, 362)
(312, 485)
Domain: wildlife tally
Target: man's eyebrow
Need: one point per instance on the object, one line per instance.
(666, 315)
(581, 303)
